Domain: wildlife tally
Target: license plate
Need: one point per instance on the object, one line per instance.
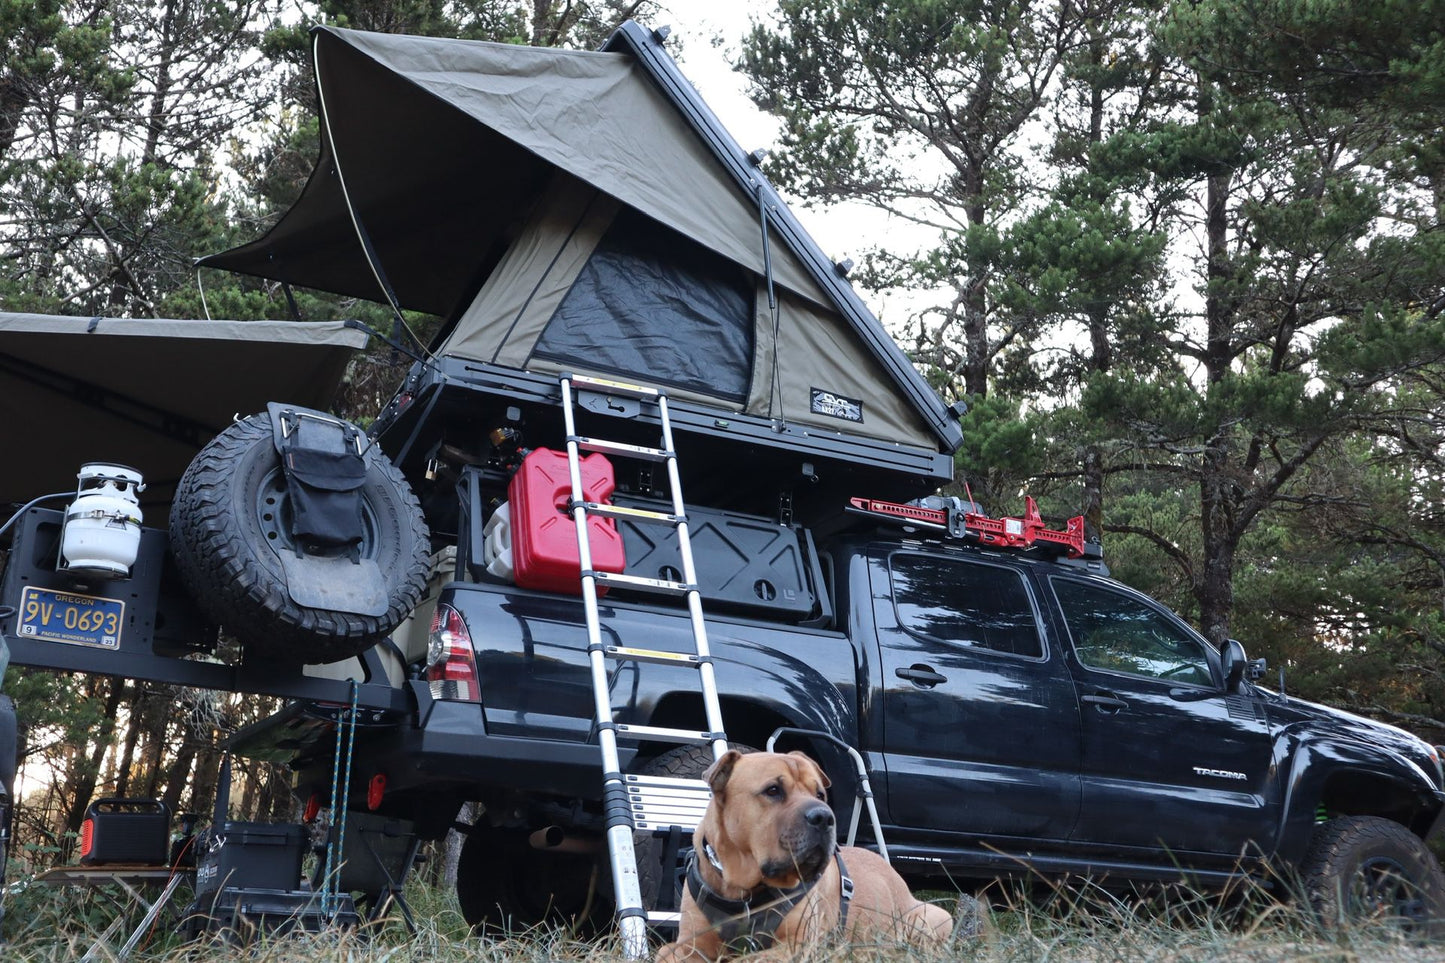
(68, 617)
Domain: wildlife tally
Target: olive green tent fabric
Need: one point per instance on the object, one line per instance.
(816, 351)
(493, 181)
(146, 393)
(441, 143)
(525, 288)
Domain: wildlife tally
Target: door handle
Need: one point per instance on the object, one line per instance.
(1105, 702)
(920, 674)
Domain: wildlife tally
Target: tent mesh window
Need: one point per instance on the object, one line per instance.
(653, 305)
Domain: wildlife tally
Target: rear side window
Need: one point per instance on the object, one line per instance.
(964, 603)
(1116, 632)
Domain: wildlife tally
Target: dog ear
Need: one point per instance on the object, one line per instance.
(822, 776)
(717, 774)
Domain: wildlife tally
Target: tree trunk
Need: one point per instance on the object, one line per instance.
(974, 301)
(157, 736)
(87, 771)
(132, 737)
(1218, 488)
(452, 846)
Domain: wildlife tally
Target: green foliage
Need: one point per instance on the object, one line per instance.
(1202, 298)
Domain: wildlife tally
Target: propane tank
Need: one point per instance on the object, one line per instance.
(102, 526)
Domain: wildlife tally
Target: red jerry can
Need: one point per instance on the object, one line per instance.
(544, 537)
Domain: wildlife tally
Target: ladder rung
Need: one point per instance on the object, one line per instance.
(663, 733)
(645, 825)
(669, 802)
(650, 655)
(685, 814)
(640, 514)
(638, 780)
(639, 582)
(683, 817)
(614, 387)
(621, 448)
(672, 917)
(655, 800)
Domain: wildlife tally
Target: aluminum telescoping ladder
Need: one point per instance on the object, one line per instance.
(633, 802)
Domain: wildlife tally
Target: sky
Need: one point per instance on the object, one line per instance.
(709, 32)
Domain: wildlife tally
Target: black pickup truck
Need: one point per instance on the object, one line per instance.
(585, 213)
(1020, 715)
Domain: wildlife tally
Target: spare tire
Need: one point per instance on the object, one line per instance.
(231, 519)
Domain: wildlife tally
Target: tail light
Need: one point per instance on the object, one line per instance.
(451, 666)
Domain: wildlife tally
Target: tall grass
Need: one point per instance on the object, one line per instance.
(51, 925)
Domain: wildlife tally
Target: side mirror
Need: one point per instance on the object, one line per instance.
(1235, 663)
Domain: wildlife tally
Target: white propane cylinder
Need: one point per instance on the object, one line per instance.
(101, 536)
(497, 543)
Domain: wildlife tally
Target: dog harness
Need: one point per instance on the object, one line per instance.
(749, 925)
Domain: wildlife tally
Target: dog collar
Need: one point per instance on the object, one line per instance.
(751, 924)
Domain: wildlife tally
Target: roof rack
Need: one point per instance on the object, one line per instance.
(959, 520)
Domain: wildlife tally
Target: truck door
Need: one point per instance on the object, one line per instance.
(980, 730)
(1169, 758)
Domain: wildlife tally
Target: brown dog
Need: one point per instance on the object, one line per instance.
(767, 870)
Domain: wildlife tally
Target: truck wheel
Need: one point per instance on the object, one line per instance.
(1367, 868)
(229, 512)
(684, 762)
(506, 886)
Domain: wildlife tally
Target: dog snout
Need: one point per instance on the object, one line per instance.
(819, 817)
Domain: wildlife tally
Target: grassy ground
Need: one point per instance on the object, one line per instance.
(53, 925)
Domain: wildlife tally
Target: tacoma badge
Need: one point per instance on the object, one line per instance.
(1221, 773)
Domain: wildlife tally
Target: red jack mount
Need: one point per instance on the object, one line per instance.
(1013, 533)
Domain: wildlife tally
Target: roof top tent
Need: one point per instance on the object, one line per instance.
(585, 212)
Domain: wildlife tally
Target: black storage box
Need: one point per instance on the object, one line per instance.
(377, 853)
(241, 855)
(134, 831)
(744, 563)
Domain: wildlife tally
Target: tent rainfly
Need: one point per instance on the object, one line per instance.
(583, 211)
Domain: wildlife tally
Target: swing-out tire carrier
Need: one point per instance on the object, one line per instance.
(162, 632)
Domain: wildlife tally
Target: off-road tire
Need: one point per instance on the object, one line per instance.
(684, 762)
(1367, 868)
(229, 512)
(505, 886)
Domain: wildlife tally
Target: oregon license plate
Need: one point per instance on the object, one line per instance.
(69, 617)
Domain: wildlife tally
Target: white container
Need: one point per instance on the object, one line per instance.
(101, 536)
(497, 543)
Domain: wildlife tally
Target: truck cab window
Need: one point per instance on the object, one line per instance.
(964, 603)
(1118, 633)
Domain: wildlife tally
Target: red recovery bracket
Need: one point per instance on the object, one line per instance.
(1016, 533)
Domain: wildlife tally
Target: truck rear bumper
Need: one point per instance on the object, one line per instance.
(450, 747)
(454, 745)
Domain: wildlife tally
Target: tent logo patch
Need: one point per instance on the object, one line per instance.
(835, 405)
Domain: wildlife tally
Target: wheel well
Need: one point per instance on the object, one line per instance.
(747, 722)
(1354, 793)
(750, 724)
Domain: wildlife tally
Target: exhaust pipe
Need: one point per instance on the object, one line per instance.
(556, 839)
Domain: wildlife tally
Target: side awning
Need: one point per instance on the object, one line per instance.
(146, 393)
